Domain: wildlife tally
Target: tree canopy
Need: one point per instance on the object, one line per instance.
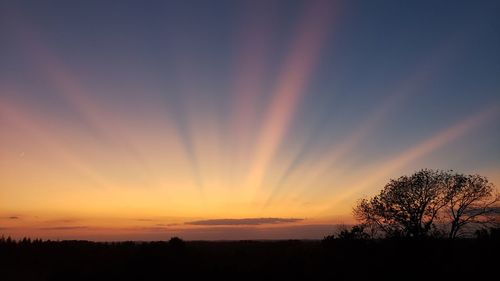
(430, 203)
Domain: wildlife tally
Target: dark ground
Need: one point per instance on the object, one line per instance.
(472, 259)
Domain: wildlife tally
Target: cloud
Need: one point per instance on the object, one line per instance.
(64, 227)
(10, 218)
(154, 228)
(62, 221)
(246, 221)
(168, 224)
(495, 211)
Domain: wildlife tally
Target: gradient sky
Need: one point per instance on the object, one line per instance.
(235, 119)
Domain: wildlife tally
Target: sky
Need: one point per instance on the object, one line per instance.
(214, 120)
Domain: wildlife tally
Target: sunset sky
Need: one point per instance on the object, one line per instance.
(235, 119)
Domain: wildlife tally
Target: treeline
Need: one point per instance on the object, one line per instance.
(341, 258)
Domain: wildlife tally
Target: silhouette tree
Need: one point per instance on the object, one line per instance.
(471, 200)
(407, 206)
(357, 232)
(411, 205)
(176, 243)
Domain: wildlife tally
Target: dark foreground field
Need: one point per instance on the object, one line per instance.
(252, 260)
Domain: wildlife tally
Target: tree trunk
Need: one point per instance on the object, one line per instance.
(453, 230)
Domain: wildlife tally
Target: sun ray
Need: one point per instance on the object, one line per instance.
(290, 87)
(43, 134)
(68, 87)
(380, 172)
(311, 172)
(253, 43)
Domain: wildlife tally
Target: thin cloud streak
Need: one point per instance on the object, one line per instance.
(246, 221)
(64, 227)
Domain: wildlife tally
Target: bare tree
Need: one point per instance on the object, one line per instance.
(471, 200)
